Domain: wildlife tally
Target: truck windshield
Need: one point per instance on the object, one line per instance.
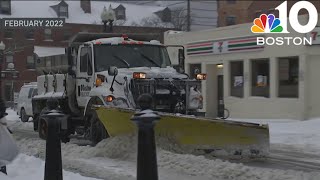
(127, 56)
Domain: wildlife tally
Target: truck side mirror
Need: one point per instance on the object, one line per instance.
(113, 71)
(89, 65)
(68, 52)
(181, 58)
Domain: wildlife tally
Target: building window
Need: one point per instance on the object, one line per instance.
(194, 70)
(67, 35)
(9, 86)
(48, 61)
(274, 12)
(121, 14)
(8, 33)
(5, 7)
(260, 77)
(63, 11)
(257, 14)
(30, 62)
(236, 70)
(288, 77)
(9, 59)
(231, 20)
(47, 34)
(29, 34)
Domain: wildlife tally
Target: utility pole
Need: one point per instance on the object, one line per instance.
(188, 16)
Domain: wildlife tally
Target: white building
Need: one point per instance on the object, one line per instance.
(258, 81)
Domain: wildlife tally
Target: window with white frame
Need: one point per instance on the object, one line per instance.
(237, 80)
(260, 77)
(63, 11)
(288, 77)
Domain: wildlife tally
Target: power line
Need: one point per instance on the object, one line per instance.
(204, 24)
(188, 16)
(175, 4)
(204, 9)
(204, 17)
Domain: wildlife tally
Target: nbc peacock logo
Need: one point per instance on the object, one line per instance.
(267, 24)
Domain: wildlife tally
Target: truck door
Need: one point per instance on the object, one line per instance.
(84, 74)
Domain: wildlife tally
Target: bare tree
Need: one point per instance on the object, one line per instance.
(155, 21)
(179, 18)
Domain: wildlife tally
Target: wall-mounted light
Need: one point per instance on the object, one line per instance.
(220, 66)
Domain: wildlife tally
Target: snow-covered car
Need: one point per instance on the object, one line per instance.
(24, 103)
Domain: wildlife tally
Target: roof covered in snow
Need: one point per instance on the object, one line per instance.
(136, 15)
(42, 51)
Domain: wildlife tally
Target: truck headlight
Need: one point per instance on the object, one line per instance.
(139, 75)
(116, 102)
(201, 76)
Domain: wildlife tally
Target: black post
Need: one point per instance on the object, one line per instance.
(188, 15)
(111, 25)
(1, 60)
(53, 164)
(147, 168)
(104, 26)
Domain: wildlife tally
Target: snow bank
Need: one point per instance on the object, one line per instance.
(12, 115)
(303, 135)
(124, 148)
(33, 168)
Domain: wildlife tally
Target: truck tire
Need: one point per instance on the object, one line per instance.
(96, 129)
(35, 122)
(23, 115)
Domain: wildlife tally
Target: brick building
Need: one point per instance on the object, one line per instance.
(231, 12)
(80, 16)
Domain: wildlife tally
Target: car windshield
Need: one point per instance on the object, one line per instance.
(128, 56)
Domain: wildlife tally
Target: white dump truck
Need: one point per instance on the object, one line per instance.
(105, 76)
(113, 70)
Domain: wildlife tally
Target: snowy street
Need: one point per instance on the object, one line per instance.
(293, 156)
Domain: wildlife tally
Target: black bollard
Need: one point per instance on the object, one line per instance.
(147, 168)
(53, 162)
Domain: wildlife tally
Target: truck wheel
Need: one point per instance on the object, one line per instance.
(24, 117)
(35, 122)
(96, 129)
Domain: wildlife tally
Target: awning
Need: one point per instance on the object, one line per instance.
(42, 51)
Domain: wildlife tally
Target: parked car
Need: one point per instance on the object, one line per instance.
(24, 106)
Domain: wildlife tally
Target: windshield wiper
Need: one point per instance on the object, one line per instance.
(122, 60)
(148, 58)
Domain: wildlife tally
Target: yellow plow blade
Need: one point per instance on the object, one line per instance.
(196, 135)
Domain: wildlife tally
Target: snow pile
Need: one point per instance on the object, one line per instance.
(200, 166)
(12, 115)
(302, 135)
(124, 148)
(33, 168)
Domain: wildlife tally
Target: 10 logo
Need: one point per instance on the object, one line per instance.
(270, 24)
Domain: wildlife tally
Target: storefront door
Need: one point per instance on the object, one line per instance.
(220, 106)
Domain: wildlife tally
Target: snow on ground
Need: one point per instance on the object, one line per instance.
(303, 135)
(115, 158)
(33, 168)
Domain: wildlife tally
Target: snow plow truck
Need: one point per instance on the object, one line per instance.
(106, 74)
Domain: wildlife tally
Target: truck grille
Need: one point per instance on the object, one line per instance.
(166, 93)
